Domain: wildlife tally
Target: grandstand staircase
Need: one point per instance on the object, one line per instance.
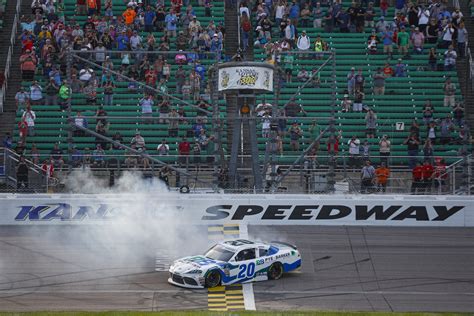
(7, 118)
(241, 144)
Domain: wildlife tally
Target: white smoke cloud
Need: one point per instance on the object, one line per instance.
(130, 241)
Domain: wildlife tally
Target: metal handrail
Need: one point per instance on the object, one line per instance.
(8, 62)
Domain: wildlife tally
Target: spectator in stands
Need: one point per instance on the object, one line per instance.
(184, 149)
(64, 95)
(138, 141)
(379, 82)
(329, 19)
(76, 84)
(413, 144)
(28, 62)
(56, 157)
(432, 132)
(440, 175)
(427, 176)
(81, 121)
(447, 127)
(22, 99)
(51, 90)
(382, 174)
(98, 157)
(164, 109)
(173, 123)
(449, 89)
(36, 93)
(131, 159)
(417, 41)
(359, 80)
(304, 42)
(365, 151)
(428, 150)
(372, 42)
(293, 109)
(432, 32)
(76, 157)
(22, 132)
(448, 33)
(370, 123)
(109, 87)
(450, 59)
(8, 141)
(48, 168)
(35, 154)
(384, 149)
(388, 70)
(367, 178)
(458, 113)
(146, 104)
(400, 69)
(354, 152)
(29, 117)
(171, 21)
(346, 104)
(117, 138)
(461, 39)
(163, 148)
(351, 81)
(358, 101)
(428, 114)
(387, 40)
(415, 128)
(433, 59)
(302, 75)
(417, 178)
(296, 133)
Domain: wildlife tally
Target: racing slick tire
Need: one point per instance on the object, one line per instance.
(275, 271)
(213, 279)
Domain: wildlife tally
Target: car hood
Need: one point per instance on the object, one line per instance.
(195, 263)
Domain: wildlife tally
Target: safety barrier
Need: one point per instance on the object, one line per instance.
(395, 210)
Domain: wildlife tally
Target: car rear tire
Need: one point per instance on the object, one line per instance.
(275, 271)
(213, 279)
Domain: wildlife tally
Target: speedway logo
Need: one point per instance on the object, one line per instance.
(330, 212)
(257, 214)
(64, 212)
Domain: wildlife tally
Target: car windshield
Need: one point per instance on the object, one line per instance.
(219, 253)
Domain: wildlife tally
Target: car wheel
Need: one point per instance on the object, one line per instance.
(213, 279)
(275, 271)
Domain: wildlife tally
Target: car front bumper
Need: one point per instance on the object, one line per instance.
(185, 281)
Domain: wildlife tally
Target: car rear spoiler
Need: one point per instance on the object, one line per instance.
(284, 243)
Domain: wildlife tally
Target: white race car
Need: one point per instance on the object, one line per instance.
(235, 261)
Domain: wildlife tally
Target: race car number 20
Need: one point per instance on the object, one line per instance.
(246, 270)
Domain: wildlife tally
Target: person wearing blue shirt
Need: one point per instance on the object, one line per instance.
(399, 5)
(216, 46)
(387, 40)
(294, 13)
(149, 19)
(400, 69)
(171, 23)
(201, 71)
(122, 41)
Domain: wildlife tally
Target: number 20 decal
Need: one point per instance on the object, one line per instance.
(246, 271)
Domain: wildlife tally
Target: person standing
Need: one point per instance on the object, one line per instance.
(29, 117)
(449, 89)
(382, 174)
(384, 149)
(413, 144)
(417, 178)
(367, 177)
(22, 174)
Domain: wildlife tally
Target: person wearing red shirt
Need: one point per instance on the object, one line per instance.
(417, 178)
(48, 168)
(427, 176)
(440, 175)
(184, 148)
(151, 77)
(388, 70)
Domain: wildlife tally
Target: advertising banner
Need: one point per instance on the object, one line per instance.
(262, 209)
(245, 77)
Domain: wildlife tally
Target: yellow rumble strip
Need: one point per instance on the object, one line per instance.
(230, 297)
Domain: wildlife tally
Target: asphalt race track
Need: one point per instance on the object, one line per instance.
(344, 268)
(374, 268)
